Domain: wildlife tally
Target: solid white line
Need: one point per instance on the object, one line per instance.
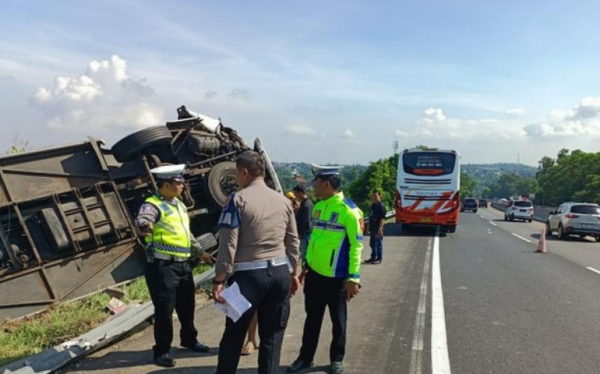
(520, 237)
(594, 270)
(440, 362)
(481, 215)
(493, 224)
(416, 358)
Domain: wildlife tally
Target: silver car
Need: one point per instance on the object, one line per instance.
(581, 219)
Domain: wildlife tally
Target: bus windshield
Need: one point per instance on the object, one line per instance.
(429, 163)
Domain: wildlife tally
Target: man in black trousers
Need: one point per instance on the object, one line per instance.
(259, 251)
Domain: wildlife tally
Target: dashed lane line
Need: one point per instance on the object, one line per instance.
(493, 224)
(416, 359)
(594, 270)
(520, 237)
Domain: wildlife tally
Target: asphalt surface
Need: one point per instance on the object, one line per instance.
(477, 301)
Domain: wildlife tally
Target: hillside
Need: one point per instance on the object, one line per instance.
(487, 174)
(291, 173)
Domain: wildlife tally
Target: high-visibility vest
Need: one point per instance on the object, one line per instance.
(171, 234)
(335, 245)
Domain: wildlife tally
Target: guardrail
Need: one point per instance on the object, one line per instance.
(388, 214)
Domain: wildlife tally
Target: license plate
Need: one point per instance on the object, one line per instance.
(426, 219)
(523, 210)
(587, 226)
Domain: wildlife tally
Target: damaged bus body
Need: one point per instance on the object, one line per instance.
(67, 213)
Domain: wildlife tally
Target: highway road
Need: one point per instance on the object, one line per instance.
(477, 301)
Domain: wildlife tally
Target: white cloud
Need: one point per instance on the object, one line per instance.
(583, 119)
(434, 115)
(101, 98)
(348, 134)
(402, 134)
(516, 111)
(300, 130)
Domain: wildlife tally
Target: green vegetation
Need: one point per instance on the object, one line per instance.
(571, 176)
(58, 324)
(380, 175)
(286, 171)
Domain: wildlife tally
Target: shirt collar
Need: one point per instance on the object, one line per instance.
(336, 197)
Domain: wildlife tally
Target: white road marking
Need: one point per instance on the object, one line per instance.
(416, 358)
(440, 362)
(520, 237)
(493, 224)
(594, 270)
(481, 215)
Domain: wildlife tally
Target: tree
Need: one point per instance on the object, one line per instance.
(467, 185)
(18, 145)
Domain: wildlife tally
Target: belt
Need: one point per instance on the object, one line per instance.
(162, 256)
(263, 264)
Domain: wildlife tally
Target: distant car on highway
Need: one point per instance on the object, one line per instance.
(519, 209)
(571, 218)
(483, 203)
(469, 204)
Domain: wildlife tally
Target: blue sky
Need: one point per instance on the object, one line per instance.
(334, 82)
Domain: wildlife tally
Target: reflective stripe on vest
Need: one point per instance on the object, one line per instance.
(171, 234)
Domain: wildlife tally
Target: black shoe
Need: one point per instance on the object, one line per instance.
(196, 347)
(164, 360)
(337, 367)
(298, 366)
(376, 262)
(369, 261)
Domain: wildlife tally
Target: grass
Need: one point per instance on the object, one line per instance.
(68, 320)
(56, 325)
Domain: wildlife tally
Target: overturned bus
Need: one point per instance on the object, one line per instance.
(67, 212)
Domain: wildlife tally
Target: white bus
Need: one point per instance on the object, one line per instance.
(427, 188)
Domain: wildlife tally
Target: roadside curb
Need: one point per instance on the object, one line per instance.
(116, 327)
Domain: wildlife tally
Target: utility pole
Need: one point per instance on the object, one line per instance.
(395, 146)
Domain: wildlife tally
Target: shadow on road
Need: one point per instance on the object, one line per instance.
(212, 370)
(572, 239)
(395, 229)
(126, 359)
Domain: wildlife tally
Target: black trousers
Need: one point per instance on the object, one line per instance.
(268, 290)
(171, 286)
(321, 292)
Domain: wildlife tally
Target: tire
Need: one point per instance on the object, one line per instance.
(529, 220)
(133, 145)
(505, 217)
(224, 172)
(450, 229)
(548, 229)
(475, 211)
(561, 233)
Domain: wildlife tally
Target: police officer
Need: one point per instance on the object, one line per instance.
(259, 251)
(164, 223)
(331, 271)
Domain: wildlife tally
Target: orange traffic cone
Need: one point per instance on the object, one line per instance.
(541, 248)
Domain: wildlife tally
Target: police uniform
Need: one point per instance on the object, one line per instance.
(333, 258)
(258, 250)
(168, 272)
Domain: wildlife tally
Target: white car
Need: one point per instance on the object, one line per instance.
(519, 209)
(581, 219)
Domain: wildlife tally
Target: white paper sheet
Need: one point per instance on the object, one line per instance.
(235, 303)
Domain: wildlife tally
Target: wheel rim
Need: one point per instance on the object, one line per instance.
(228, 184)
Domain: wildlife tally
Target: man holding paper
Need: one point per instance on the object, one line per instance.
(257, 258)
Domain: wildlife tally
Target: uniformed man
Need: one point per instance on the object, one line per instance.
(331, 271)
(259, 251)
(164, 223)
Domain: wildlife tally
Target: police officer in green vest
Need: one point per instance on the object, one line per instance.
(331, 270)
(164, 223)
